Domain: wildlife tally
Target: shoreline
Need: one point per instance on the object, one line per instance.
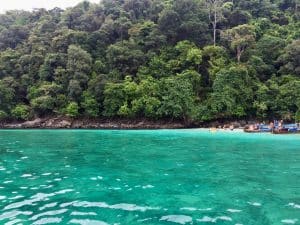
(117, 123)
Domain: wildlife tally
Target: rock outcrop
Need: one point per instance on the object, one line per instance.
(65, 123)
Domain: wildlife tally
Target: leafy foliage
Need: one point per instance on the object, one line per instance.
(21, 112)
(194, 60)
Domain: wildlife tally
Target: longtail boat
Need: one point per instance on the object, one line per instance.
(281, 131)
(247, 130)
(251, 131)
(287, 129)
(260, 129)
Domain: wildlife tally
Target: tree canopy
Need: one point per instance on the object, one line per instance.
(192, 60)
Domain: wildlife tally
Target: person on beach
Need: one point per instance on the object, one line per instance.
(213, 129)
(271, 126)
(280, 124)
(251, 127)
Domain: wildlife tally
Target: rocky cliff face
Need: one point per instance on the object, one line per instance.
(66, 123)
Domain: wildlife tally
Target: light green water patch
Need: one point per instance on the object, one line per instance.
(148, 177)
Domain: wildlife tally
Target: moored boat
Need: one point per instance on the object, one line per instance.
(257, 129)
(277, 129)
(281, 131)
(287, 129)
(251, 131)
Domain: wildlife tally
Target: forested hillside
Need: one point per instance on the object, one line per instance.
(195, 60)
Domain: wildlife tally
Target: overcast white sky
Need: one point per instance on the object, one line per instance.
(30, 4)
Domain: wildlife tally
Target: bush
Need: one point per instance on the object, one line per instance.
(90, 105)
(3, 115)
(72, 110)
(43, 104)
(297, 116)
(21, 112)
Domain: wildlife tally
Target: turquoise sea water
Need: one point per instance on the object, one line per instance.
(148, 177)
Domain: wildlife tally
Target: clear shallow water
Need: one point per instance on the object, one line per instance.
(148, 177)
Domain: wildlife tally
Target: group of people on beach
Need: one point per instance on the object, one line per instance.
(278, 126)
(272, 125)
(230, 127)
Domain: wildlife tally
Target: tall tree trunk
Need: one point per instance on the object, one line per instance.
(239, 52)
(215, 27)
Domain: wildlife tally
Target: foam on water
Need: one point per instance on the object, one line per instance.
(75, 213)
(233, 210)
(14, 221)
(121, 206)
(254, 203)
(49, 205)
(207, 219)
(215, 219)
(26, 175)
(289, 221)
(48, 213)
(295, 206)
(181, 219)
(49, 220)
(88, 222)
(13, 214)
(188, 208)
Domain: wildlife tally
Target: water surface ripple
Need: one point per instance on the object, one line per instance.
(148, 177)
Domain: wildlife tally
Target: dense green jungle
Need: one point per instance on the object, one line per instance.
(189, 60)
